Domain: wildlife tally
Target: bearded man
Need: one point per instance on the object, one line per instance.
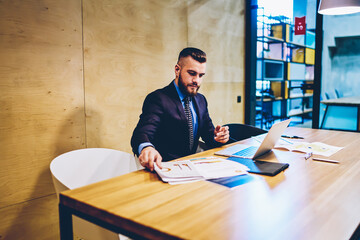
(175, 117)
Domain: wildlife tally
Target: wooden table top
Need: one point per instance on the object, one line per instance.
(310, 200)
(351, 101)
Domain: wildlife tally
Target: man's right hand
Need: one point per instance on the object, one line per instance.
(149, 156)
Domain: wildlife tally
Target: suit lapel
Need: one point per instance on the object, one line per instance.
(174, 96)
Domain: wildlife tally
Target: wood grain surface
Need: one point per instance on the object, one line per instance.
(131, 49)
(41, 110)
(218, 27)
(310, 200)
(35, 219)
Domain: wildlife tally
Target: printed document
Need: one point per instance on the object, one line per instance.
(314, 148)
(317, 148)
(199, 169)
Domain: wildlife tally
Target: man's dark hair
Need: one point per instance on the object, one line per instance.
(195, 53)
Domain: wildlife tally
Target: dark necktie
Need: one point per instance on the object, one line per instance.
(189, 121)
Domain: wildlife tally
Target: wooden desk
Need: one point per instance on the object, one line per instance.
(344, 102)
(310, 200)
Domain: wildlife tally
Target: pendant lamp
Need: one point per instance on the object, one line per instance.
(339, 7)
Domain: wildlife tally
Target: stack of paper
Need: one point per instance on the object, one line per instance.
(199, 169)
(178, 172)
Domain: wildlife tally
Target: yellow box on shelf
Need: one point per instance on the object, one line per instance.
(277, 31)
(281, 31)
(288, 35)
(286, 85)
(310, 56)
(297, 55)
(276, 87)
(309, 88)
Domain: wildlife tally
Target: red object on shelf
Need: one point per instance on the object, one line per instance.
(300, 25)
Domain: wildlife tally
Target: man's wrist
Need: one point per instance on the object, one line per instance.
(144, 145)
(148, 147)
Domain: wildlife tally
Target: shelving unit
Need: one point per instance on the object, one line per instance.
(285, 71)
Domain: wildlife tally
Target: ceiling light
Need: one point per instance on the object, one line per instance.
(339, 7)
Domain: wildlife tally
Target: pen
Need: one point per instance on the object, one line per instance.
(296, 137)
(325, 160)
(308, 155)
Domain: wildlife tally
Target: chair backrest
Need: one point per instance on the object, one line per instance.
(240, 131)
(85, 166)
(338, 93)
(331, 95)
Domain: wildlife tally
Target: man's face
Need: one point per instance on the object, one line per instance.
(189, 74)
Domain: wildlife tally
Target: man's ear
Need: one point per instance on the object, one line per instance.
(177, 69)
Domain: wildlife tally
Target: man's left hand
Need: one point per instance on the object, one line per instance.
(221, 134)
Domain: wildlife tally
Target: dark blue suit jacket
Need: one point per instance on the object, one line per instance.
(163, 123)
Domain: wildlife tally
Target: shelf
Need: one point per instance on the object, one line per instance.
(270, 70)
(270, 99)
(302, 80)
(297, 112)
(296, 45)
(285, 71)
(269, 38)
(271, 59)
(271, 80)
(291, 88)
(293, 44)
(300, 95)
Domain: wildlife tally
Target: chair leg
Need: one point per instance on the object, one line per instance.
(322, 122)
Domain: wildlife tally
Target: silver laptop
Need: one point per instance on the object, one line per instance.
(252, 152)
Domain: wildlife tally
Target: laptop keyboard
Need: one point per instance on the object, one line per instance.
(247, 152)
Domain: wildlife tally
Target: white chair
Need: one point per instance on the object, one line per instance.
(85, 166)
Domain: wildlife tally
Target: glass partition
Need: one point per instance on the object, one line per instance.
(340, 73)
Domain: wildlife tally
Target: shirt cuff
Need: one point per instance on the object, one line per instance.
(143, 145)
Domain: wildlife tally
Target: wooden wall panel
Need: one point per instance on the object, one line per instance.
(36, 219)
(41, 109)
(131, 49)
(222, 100)
(218, 28)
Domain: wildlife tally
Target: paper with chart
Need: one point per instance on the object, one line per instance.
(199, 169)
(179, 171)
(214, 167)
(317, 148)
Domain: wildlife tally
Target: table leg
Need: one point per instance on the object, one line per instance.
(358, 119)
(65, 221)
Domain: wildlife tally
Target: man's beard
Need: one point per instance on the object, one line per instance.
(185, 90)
